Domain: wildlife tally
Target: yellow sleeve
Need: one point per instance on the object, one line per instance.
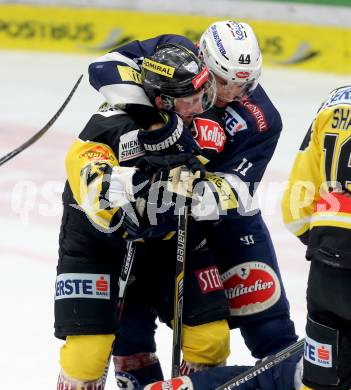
(89, 166)
(306, 177)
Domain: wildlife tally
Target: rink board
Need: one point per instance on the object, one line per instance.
(87, 30)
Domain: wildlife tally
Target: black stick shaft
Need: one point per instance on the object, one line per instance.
(41, 132)
(124, 277)
(179, 290)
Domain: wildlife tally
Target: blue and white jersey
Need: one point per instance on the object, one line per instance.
(239, 140)
(116, 75)
(252, 128)
(238, 143)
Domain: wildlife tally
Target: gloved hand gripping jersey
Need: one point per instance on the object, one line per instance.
(170, 139)
(154, 163)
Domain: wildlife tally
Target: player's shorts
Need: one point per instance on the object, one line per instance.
(87, 281)
(327, 363)
(151, 292)
(249, 270)
(329, 292)
(153, 283)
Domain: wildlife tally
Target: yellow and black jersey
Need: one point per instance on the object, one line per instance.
(318, 190)
(108, 140)
(109, 146)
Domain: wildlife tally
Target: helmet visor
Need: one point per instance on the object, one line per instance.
(194, 104)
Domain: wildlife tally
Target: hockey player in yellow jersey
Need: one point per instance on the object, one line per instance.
(107, 175)
(316, 208)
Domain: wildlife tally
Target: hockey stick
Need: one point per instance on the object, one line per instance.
(124, 277)
(41, 132)
(263, 366)
(179, 290)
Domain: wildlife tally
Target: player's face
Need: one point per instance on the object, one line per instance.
(227, 91)
(187, 107)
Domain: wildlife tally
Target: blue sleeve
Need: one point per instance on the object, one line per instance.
(137, 50)
(252, 156)
(116, 75)
(253, 127)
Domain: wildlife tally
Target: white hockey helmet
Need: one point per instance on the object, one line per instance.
(231, 51)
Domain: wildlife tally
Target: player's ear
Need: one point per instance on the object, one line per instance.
(158, 102)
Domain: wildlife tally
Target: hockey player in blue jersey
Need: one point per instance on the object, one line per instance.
(238, 138)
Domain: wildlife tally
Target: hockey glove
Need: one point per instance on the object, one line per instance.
(151, 164)
(169, 194)
(152, 210)
(171, 138)
(156, 221)
(162, 204)
(131, 218)
(286, 375)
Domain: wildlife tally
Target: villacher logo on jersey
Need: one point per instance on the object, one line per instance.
(74, 285)
(251, 287)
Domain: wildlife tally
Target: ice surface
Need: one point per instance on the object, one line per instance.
(33, 86)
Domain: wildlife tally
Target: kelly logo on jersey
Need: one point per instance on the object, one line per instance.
(251, 287)
(209, 134)
(233, 121)
(317, 353)
(72, 285)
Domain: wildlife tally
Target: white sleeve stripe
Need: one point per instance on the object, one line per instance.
(110, 113)
(114, 56)
(332, 218)
(295, 226)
